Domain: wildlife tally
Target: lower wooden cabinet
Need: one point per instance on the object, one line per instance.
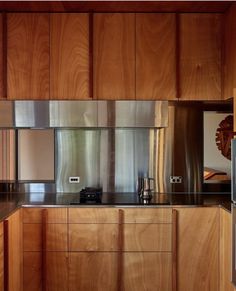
(1, 257)
(198, 249)
(93, 271)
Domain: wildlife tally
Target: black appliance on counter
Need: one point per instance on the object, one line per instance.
(89, 195)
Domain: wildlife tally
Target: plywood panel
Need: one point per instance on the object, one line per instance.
(93, 215)
(93, 237)
(200, 65)
(155, 56)
(32, 271)
(114, 56)
(147, 237)
(54, 215)
(148, 215)
(147, 271)
(93, 271)
(69, 56)
(198, 249)
(28, 56)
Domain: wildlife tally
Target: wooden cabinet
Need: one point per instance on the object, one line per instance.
(28, 56)
(114, 56)
(155, 56)
(45, 249)
(1, 256)
(198, 249)
(13, 248)
(69, 56)
(200, 50)
(225, 251)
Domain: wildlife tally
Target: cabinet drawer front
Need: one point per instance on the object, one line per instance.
(56, 237)
(93, 271)
(93, 237)
(32, 271)
(147, 271)
(93, 215)
(35, 215)
(145, 215)
(147, 237)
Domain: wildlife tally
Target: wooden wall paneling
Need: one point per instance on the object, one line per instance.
(155, 56)
(69, 56)
(198, 249)
(15, 252)
(114, 56)
(101, 266)
(28, 56)
(229, 68)
(148, 271)
(2, 55)
(225, 251)
(200, 56)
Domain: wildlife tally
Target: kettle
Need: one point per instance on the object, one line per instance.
(145, 187)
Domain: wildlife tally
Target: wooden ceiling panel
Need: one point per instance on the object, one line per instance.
(115, 6)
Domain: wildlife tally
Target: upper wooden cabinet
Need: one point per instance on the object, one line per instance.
(69, 56)
(114, 56)
(28, 56)
(200, 37)
(155, 56)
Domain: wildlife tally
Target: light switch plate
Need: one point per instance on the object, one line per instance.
(74, 180)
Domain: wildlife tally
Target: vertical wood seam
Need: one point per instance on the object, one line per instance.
(177, 55)
(91, 59)
(4, 54)
(6, 255)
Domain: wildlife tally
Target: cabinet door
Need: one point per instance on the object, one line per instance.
(69, 56)
(225, 251)
(93, 271)
(200, 37)
(28, 56)
(32, 271)
(114, 56)
(147, 271)
(1, 257)
(155, 56)
(198, 249)
(13, 231)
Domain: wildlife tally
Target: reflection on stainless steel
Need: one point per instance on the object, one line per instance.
(32, 114)
(73, 113)
(6, 114)
(84, 114)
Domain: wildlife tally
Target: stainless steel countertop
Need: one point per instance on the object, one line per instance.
(9, 202)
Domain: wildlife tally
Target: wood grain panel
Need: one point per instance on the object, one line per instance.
(32, 237)
(7, 154)
(2, 56)
(15, 252)
(1, 261)
(114, 56)
(93, 237)
(225, 251)
(54, 215)
(69, 56)
(200, 56)
(28, 56)
(155, 56)
(93, 215)
(198, 249)
(147, 237)
(57, 271)
(57, 235)
(102, 267)
(229, 69)
(148, 271)
(32, 271)
(145, 215)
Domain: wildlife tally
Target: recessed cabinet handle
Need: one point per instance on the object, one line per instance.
(6, 254)
(44, 248)
(120, 249)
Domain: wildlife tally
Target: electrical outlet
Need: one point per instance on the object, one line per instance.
(74, 180)
(176, 179)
